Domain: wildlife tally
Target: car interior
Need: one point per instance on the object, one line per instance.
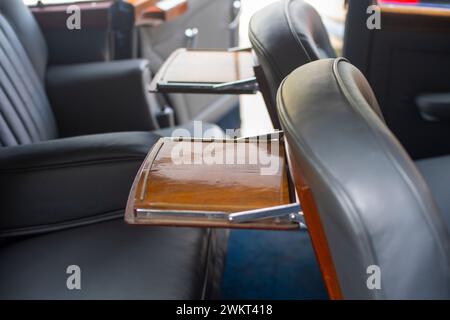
(124, 173)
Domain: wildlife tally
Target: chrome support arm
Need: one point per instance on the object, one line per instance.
(292, 211)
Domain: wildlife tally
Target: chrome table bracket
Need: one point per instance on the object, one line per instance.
(291, 211)
(249, 83)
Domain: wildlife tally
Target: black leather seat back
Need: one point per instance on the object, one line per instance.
(374, 206)
(25, 112)
(285, 35)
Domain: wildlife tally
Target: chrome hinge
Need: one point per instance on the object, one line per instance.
(291, 211)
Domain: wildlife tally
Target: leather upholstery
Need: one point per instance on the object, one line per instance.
(117, 262)
(25, 113)
(102, 97)
(403, 66)
(68, 182)
(62, 200)
(81, 95)
(288, 26)
(374, 205)
(436, 172)
(28, 33)
(72, 195)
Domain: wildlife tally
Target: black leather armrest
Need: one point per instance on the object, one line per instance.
(68, 182)
(102, 97)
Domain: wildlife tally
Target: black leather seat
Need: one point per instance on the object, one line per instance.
(81, 95)
(116, 261)
(436, 172)
(64, 189)
(286, 35)
(374, 204)
(62, 203)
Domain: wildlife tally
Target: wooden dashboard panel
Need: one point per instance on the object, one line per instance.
(181, 176)
(96, 13)
(153, 12)
(140, 6)
(415, 18)
(167, 10)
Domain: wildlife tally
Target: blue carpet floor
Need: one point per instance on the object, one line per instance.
(271, 265)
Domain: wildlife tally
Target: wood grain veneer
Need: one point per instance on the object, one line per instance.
(163, 184)
(209, 66)
(315, 228)
(415, 18)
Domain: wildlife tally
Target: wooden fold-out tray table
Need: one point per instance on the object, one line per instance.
(207, 71)
(228, 183)
(214, 71)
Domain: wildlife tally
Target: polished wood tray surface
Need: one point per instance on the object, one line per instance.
(180, 179)
(200, 70)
